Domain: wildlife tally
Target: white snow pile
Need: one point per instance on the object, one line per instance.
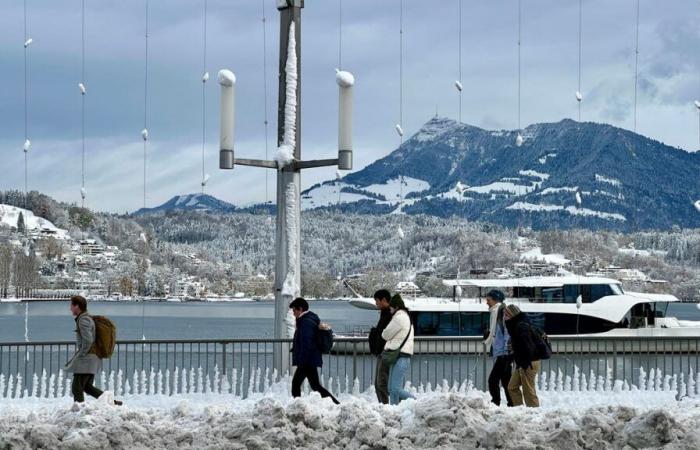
(9, 215)
(532, 207)
(535, 254)
(445, 420)
(611, 181)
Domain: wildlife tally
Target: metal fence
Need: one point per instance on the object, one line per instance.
(435, 359)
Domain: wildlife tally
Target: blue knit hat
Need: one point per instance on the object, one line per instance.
(496, 295)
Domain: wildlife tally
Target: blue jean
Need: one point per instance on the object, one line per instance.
(396, 376)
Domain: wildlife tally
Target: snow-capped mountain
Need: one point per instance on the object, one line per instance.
(565, 174)
(190, 202)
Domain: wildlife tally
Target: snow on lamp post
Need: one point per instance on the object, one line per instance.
(287, 162)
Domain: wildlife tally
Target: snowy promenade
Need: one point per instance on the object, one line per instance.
(441, 418)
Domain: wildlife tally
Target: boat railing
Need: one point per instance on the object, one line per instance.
(436, 359)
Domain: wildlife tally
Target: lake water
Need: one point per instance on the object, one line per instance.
(51, 321)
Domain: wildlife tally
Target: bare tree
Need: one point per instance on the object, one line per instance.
(5, 269)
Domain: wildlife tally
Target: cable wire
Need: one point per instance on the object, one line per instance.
(401, 179)
(26, 103)
(82, 100)
(580, 33)
(265, 122)
(340, 34)
(460, 60)
(145, 110)
(519, 45)
(636, 67)
(204, 98)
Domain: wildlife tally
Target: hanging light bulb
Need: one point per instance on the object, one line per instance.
(81, 86)
(519, 140)
(28, 42)
(458, 291)
(400, 232)
(697, 104)
(579, 96)
(578, 198)
(144, 134)
(27, 145)
(399, 130)
(697, 205)
(205, 180)
(83, 193)
(458, 85)
(579, 302)
(205, 77)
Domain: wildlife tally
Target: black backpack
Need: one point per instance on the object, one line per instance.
(324, 339)
(543, 346)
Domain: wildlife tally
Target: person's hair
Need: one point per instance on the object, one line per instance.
(496, 295)
(382, 294)
(397, 302)
(79, 301)
(299, 302)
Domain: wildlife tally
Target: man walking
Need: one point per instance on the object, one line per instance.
(306, 354)
(85, 363)
(527, 363)
(376, 345)
(497, 341)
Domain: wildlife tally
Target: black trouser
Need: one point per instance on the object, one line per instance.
(310, 373)
(500, 376)
(82, 382)
(381, 381)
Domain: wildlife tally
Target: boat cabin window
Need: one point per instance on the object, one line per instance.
(589, 292)
(430, 323)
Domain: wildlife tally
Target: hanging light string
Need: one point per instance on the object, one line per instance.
(519, 45)
(401, 100)
(579, 95)
(27, 142)
(459, 88)
(265, 122)
(82, 100)
(636, 67)
(205, 77)
(340, 34)
(144, 133)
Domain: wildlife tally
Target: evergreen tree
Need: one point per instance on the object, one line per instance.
(20, 224)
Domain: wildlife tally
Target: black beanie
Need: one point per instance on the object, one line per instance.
(496, 295)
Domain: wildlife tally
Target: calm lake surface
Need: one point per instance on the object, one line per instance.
(51, 321)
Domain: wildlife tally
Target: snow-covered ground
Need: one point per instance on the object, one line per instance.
(9, 215)
(445, 419)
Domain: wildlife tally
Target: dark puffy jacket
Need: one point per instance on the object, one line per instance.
(306, 351)
(524, 349)
(376, 342)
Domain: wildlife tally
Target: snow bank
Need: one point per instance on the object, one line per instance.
(442, 419)
(525, 206)
(285, 152)
(9, 215)
(536, 254)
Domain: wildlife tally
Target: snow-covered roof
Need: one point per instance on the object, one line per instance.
(530, 281)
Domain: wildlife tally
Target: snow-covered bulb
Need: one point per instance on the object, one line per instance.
(578, 198)
(458, 85)
(579, 302)
(144, 134)
(400, 233)
(697, 104)
(519, 140)
(143, 238)
(284, 155)
(697, 205)
(458, 291)
(344, 79)
(28, 42)
(81, 86)
(579, 96)
(338, 175)
(226, 77)
(83, 193)
(27, 145)
(205, 77)
(205, 180)
(399, 130)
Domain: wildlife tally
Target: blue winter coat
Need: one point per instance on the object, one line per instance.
(306, 351)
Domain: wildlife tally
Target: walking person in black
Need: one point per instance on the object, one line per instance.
(306, 355)
(376, 344)
(497, 342)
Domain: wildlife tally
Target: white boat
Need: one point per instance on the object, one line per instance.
(567, 306)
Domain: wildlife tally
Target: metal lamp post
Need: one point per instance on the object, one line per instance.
(288, 236)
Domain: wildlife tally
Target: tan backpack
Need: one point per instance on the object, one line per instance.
(105, 337)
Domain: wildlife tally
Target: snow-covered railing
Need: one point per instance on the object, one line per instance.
(436, 359)
(243, 384)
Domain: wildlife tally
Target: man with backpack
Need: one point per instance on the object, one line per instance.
(497, 342)
(376, 345)
(524, 343)
(85, 362)
(306, 353)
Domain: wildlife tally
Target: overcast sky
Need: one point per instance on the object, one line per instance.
(669, 81)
